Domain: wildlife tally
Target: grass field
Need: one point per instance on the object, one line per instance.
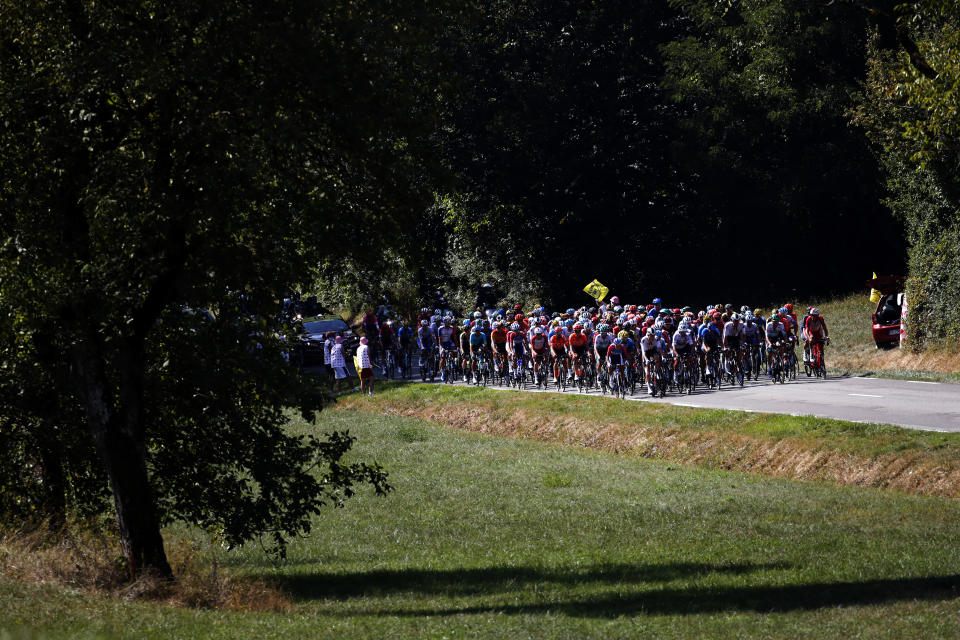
(853, 351)
(489, 537)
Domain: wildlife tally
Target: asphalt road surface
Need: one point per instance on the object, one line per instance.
(916, 405)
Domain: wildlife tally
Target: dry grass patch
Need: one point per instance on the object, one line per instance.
(89, 560)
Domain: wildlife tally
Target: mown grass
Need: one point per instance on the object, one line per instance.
(487, 537)
(853, 351)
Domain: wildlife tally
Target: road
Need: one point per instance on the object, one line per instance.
(916, 405)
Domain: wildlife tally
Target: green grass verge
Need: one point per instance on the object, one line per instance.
(908, 459)
(487, 537)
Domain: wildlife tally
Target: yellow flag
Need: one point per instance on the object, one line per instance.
(874, 294)
(596, 290)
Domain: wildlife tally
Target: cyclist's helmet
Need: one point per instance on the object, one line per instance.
(537, 331)
(571, 311)
(517, 308)
(425, 310)
(477, 314)
(448, 320)
(603, 328)
(486, 324)
(650, 332)
(735, 317)
(424, 323)
(577, 327)
(623, 335)
(789, 307)
(518, 317)
(701, 313)
(815, 312)
(656, 301)
(744, 309)
(618, 309)
(543, 320)
(466, 323)
(617, 340)
(614, 300)
(515, 326)
(436, 312)
(569, 323)
(476, 328)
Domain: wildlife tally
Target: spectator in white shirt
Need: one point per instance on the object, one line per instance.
(366, 367)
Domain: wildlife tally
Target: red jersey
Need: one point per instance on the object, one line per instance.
(578, 340)
(499, 336)
(558, 342)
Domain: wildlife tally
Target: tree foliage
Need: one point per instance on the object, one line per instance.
(912, 119)
(163, 157)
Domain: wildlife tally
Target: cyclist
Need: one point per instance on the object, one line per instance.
(465, 349)
(498, 343)
(616, 358)
(478, 345)
(405, 337)
(732, 331)
(814, 331)
(516, 345)
(683, 342)
(709, 336)
(578, 344)
(425, 342)
(775, 337)
(446, 338)
(651, 355)
(538, 348)
(751, 337)
(386, 343)
(601, 343)
(558, 351)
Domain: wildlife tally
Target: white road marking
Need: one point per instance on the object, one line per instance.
(921, 382)
(864, 395)
(684, 404)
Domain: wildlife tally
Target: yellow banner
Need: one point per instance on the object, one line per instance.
(596, 290)
(874, 294)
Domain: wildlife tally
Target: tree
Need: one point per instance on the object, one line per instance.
(778, 171)
(909, 111)
(165, 157)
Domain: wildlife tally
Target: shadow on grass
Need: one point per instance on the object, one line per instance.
(717, 599)
(493, 580)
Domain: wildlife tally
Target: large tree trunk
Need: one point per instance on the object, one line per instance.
(120, 440)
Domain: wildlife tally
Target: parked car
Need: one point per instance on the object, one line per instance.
(315, 332)
(886, 318)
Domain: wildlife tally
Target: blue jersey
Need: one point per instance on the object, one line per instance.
(478, 339)
(425, 338)
(405, 335)
(709, 334)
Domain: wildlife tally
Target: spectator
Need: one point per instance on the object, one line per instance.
(339, 364)
(327, 348)
(366, 367)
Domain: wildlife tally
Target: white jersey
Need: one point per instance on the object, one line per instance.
(648, 343)
(732, 329)
(682, 339)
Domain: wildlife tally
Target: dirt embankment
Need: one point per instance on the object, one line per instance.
(793, 458)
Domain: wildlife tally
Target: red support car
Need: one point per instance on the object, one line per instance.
(886, 318)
